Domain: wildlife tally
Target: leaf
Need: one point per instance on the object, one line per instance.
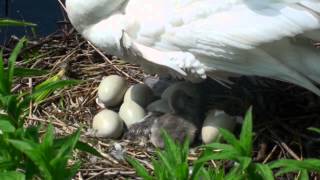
(6, 126)
(87, 148)
(12, 175)
(232, 140)
(47, 143)
(140, 170)
(12, 60)
(54, 86)
(32, 151)
(264, 171)
(314, 129)
(66, 148)
(308, 164)
(164, 161)
(223, 155)
(244, 162)
(246, 133)
(3, 88)
(171, 151)
(304, 175)
(11, 22)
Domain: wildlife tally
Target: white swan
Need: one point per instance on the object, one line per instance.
(215, 38)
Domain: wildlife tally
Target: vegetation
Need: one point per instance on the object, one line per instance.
(172, 163)
(26, 153)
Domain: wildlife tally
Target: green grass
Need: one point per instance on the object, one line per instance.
(24, 152)
(171, 163)
(11, 22)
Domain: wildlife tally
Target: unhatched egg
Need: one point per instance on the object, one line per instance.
(216, 119)
(111, 90)
(140, 94)
(130, 112)
(107, 124)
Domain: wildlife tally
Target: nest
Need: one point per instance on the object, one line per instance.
(282, 111)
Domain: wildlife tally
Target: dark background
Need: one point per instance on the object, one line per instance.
(44, 13)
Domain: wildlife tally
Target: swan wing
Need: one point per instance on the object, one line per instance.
(236, 36)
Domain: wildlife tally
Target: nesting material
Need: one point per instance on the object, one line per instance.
(130, 112)
(140, 94)
(216, 119)
(111, 90)
(107, 124)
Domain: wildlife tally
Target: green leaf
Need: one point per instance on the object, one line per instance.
(55, 85)
(264, 171)
(244, 162)
(246, 133)
(221, 146)
(164, 161)
(47, 143)
(223, 155)
(231, 139)
(304, 175)
(6, 126)
(12, 175)
(3, 88)
(32, 151)
(140, 170)
(11, 22)
(87, 148)
(314, 129)
(12, 60)
(67, 148)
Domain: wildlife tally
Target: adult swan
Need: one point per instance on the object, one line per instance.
(194, 39)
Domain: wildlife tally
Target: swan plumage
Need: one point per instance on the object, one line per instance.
(215, 38)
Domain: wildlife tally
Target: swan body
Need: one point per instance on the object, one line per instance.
(194, 39)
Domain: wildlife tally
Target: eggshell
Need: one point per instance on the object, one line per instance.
(216, 119)
(130, 112)
(140, 94)
(107, 124)
(111, 90)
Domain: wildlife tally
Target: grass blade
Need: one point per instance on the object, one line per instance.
(264, 171)
(3, 88)
(246, 133)
(12, 60)
(11, 22)
(140, 170)
(12, 175)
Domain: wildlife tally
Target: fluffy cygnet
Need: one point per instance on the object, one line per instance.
(183, 120)
(107, 124)
(111, 91)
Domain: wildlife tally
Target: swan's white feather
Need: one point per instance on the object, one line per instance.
(247, 37)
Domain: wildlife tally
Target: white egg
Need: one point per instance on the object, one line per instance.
(216, 119)
(160, 105)
(107, 124)
(130, 112)
(140, 94)
(111, 90)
